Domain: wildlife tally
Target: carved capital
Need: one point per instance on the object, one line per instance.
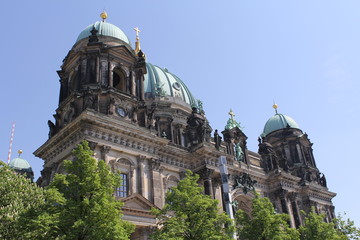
(141, 158)
(92, 145)
(205, 173)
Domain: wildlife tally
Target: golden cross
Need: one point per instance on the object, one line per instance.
(137, 31)
(232, 114)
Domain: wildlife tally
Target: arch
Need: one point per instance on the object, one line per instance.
(244, 202)
(119, 79)
(73, 81)
(60, 169)
(125, 168)
(170, 181)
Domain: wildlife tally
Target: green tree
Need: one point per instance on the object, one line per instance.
(18, 197)
(264, 223)
(347, 227)
(315, 228)
(188, 214)
(82, 202)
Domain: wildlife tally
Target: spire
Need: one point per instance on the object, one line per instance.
(103, 15)
(232, 114)
(231, 123)
(20, 152)
(137, 43)
(275, 106)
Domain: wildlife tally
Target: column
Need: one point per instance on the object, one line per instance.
(205, 174)
(104, 151)
(295, 209)
(140, 177)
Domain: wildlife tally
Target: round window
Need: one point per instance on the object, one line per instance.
(176, 85)
(120, 111)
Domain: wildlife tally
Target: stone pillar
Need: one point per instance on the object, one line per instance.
(97, 80)
(205, 174)
(132, 182)
(140, 177)
(216, 182)
(295, 209)
(283, 200)
(104, 151)
(110, 74)
(133, 83)
(157, 183)
(301, 159)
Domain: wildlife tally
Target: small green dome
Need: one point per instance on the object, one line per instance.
(20, 164)
(278, 121)
(160, 82)
(104, 29)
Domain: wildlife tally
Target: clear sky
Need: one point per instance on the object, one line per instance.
(231, 54)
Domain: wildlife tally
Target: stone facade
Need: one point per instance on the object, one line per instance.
(154, 138)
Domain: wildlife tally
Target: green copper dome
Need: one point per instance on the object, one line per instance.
(160, 83)
(20, 164)
(104, 29)
(278, 121)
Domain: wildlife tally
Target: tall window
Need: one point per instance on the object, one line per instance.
(119, 80)
(123, 190)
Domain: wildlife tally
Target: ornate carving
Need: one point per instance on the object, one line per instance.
(93, 37)
(245, 182)
(92, 145)
(89, 99)
(205, 173)
(197, 129)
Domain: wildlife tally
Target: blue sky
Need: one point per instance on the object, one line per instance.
(231, 54)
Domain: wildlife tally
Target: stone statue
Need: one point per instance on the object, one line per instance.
(89, 99)
(195, 128)
(200, 106)
(163, 134)
(52, 128)
(235, 205)
(239, 154)
(245, 182)
(135, 116)
(217, 139)
(323, 180)
(70, 113)
(111, 107)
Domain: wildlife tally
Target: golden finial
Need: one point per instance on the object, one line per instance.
(103, 15)
(137, 43)
(232, 114)
(20, 152)
(275, 106)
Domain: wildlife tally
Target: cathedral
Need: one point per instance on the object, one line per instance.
(144, 121)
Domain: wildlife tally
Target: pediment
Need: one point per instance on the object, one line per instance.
(138, 203)
(122, 52)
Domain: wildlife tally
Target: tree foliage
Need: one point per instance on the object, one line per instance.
(264, 223)
(18, 197)
(316, 229)
(188, 214)
(347, 227)
(82, 202)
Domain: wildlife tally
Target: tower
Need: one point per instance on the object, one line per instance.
(21, 166)
(287, 157)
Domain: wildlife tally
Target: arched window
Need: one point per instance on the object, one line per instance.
(123, 167)
(169, 182)
(119, 81)
(74, 81)
(123, 190)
